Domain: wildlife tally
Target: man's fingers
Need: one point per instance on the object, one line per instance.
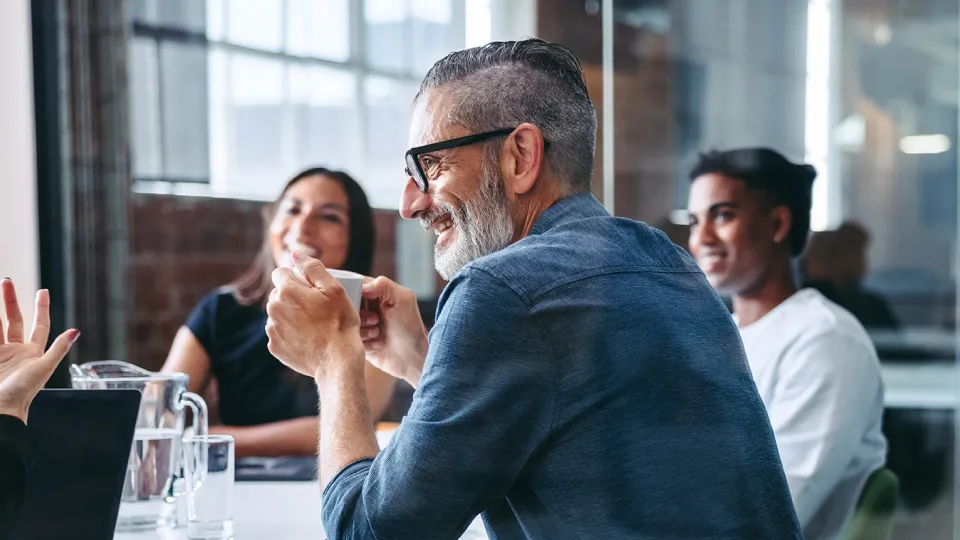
(283, 299)
(288, 287)
(275, 343)
(61, 346)
(13, 320)
(373, 346)
(41, 319)
(377, 288)
(369, 318)
(283, 277)
(271, 328)
(274, 307)
(368, 334)
(313, 271)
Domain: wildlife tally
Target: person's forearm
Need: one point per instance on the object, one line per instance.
(415, 368)
(379, 387)
(346, 429)
(296, 437)
(413, 365)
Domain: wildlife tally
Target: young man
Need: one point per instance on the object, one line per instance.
(814, 364)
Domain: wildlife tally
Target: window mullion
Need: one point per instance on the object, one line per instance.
(358, 61)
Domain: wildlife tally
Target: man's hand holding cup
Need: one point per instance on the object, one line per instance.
(313, 325)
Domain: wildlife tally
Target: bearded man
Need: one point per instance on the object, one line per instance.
(582, 379)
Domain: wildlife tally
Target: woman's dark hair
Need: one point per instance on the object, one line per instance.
(254, 285)
(762, 169)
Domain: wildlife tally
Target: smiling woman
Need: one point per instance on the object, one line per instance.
(268, 408)
(321, 211)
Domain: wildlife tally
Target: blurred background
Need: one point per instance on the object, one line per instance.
(144, 137)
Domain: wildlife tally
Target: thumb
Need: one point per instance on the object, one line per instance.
(61, 346)
(311, 270)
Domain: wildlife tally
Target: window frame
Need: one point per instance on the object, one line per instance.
(215, 183)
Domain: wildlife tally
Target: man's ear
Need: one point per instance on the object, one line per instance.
(522, 159)
(782, 221)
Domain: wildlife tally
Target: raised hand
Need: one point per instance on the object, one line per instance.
(24, 366)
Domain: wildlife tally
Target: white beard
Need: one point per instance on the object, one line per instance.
(483, 225)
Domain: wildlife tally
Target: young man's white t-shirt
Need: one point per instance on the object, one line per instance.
(818, 375)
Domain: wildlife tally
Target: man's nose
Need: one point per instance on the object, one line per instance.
(413, 202)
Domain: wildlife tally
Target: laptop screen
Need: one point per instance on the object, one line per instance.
(82, 441)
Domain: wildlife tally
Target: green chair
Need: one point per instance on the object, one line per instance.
(873, 517)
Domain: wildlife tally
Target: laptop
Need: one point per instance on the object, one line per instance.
(82, 441)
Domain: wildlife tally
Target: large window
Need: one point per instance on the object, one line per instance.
(232, 97)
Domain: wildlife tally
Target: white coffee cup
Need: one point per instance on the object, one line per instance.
(352, 283)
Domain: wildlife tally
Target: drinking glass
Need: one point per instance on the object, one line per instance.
(208, 467)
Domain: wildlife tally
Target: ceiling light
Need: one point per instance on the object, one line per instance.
(925, 144)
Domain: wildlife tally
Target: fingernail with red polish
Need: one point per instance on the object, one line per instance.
(74, 335)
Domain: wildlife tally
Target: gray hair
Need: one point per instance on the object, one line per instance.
(504, 84)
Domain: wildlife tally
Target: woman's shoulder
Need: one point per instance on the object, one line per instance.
(222, 324)
(221, 306)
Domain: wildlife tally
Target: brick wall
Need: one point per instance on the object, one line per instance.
(181, 248)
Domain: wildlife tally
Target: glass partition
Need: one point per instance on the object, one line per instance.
(866, 91)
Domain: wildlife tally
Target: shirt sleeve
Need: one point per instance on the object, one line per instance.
(484, 405)
(202, 321)
(826, 395)
(15, 454)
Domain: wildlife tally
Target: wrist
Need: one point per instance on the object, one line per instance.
(334, 390)
(415, 367)
(340, 371)
(413, 374)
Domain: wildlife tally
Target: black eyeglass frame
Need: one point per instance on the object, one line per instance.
(412, 158)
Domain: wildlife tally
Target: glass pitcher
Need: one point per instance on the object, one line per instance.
(155, 465)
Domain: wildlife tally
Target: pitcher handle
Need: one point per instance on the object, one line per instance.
(199, 408)
(200, 427)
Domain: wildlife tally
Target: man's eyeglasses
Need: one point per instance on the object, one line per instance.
(414, 167)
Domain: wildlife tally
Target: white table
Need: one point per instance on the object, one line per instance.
(272, 510)
(269, 510)
(922, 338)
(921, 385)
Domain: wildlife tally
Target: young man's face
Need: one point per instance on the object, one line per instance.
(733, 232)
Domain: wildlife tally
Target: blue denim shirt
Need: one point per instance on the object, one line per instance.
(585, 382)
